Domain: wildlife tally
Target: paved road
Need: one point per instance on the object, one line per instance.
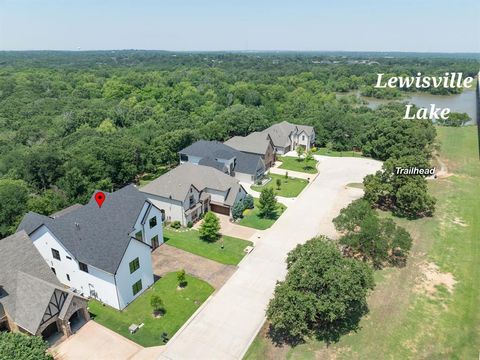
(224, 327)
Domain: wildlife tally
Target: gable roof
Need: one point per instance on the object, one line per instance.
(27, 283)
(93, 235)
(255, 143)
(178, 181)
(280, 133)
(210, 151)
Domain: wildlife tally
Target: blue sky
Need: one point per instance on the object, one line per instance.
(368, 25)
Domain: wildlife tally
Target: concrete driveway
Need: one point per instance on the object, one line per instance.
(227, 323)
(168, 258)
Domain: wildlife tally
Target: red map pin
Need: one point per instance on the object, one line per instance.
(100, 198)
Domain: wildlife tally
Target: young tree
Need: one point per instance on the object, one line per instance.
(309, 156)
(279, 184)
(209, 230)
(323, 295)
(237, 210)
(267, 203)
(300, 151)
(181, 278)
(157, 305)
(248, 202)
(17, 346)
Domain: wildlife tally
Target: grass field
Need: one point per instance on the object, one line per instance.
(406, 321)
(290, 187)
(251, 218)
(296, 164)
(190, 241)
(179, 306)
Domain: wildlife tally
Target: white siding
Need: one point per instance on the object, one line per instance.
(96, 283)
(147, 232)
(173, 209)
(125, 280)
(244, 177)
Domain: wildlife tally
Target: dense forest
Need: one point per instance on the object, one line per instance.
(72, 122)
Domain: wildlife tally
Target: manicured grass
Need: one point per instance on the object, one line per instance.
(179, 306)
(251, 218)
(296, 164)
(190, 241)
(290, 187)
(405, 322)
(326, 152)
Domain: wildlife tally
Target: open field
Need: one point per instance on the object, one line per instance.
(190, 241)
(179, 305)
(290, 187)
(428, 309)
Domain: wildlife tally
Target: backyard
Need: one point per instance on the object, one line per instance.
(298, 164)
(189, 240)
(179, 306)
(290, 187)
(253, 220)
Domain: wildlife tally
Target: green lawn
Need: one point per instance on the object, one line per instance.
(405, 322)
(179, 305)
(251, 218)
(190, 241)
(296, 164)
(290, 187)
(326, 152)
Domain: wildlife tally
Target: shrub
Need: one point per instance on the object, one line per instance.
(181, 279)
(14, 346)
(248, 202)
(189, 224)
(237, 210)
(176, 224)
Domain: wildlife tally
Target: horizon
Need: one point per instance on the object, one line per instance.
(213, 25)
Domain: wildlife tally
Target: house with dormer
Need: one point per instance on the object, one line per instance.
(286, 136)
(101, 252)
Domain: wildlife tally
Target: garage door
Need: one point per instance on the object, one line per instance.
(220, 209)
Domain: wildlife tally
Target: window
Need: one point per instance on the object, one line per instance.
(192, 201)
(303, 137)
(153, 222)
(154, 241)
(69, 258)
(53, 269)
(68, 277)
(137, 287)
(83, 267)
(134, 265)
(138, 235)
(183, 157)
(163, 214)
(55, 254)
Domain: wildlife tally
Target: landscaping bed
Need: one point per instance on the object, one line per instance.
(179, 306)
(296, 164)
(251, 218)
(290, 187)
(231, 254)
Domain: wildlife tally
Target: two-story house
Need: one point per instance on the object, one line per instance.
(243, 166)
(286, 136)
(256, 143)
(101, 252)
(188, 191)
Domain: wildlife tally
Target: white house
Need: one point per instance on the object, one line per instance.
(286, 136)
(189, 190)
(101, 252)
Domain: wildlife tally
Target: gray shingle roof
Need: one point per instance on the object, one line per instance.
(213, 150)
(177, 182)
(214, 164)
(27, 283)
(102, 234)
(255, 143)
(280, 132)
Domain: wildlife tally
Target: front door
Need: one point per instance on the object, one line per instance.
(155, 243)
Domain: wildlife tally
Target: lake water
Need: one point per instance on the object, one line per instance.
(464, 102)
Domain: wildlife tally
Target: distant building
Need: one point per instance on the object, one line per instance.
(256, 143)
(286, 136)
(103, 253)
